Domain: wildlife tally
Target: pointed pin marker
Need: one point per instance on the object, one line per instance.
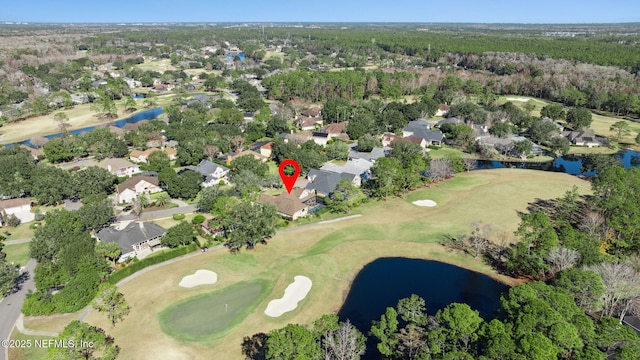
(288, 178)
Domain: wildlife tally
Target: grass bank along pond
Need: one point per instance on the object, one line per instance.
(381, 283)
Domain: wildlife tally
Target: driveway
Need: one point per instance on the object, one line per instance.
(11, 305)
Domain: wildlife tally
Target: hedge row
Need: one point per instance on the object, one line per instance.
(139, 265)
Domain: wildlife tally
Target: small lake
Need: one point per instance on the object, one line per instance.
(570, 164)
(383, 282)
(143, 115)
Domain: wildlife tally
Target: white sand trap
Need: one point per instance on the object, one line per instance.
(294, 293)
(200, 277)
(517, 99)
(429, 203)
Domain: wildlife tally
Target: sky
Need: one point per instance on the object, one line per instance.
(421, 11)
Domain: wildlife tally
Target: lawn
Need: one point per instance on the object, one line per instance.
(28, 352)
(17, 253)
(601, 125)
(446, 151)
(21, 231)
(208, 316)
(331, 255)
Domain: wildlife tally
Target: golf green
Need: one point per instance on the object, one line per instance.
(207, 316)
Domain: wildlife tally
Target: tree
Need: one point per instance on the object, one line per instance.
(460, 325)
(181, 234)
(345, 196)
(585, 286)
(8, 275)
(158, 161)
(560, 258)
(560, 145)
(249, 163)
(541, 131)
(163, 199)
(553, 111)
(579, 118)
(621, 288)
(277, 125)
(62, 120)
(337, 150)
(96, 343)
(385, 174)
(522, 148)
(367, 142)
(96, 214)
(413, 310)
(130, 104)
(293, 342)
(344, 343)
(185, 185)
(110, 301)
(250, 223)
(528, 107)
(93, 181)
(385, 330)
(110, 250)
(620, 128)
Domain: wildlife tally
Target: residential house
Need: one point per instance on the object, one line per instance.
(171, 152)
(336, 130)
(289, 206)
(324, 182)
(298, 137)
(422, 129)
(132, 83)
(312, 112)
(558, 126)
(359, 167)
(451, 120)
(228, 158)
(133, 238)
(213, 173)
(98, 83)
(213, 230)
(583, 138)
(119, 167)
(373, 155)
(80, 98)
(307, 123)
(35, 152)
(134, 126)
(389, 139)
(262, 147)
(443, 109)
(20, 207)
(505, 145)
(116, 130)
(137, 185)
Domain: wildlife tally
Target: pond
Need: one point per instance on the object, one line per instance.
(143, 115)
(383, 282)
(570, 164)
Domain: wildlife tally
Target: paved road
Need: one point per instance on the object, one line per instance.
(159, 214)
(10, 306)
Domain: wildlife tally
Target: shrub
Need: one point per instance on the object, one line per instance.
(139, 265)
(198, 219)
(178, 216)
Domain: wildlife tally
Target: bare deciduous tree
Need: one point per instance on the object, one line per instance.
(469, 164)
(560, 258)
(440, 169)
(593, 224)
(411, 340)
(345, 343)
(621, 288)
(479, 237)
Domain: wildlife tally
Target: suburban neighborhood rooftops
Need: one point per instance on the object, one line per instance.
(16, 202)
(312, 112)
(207, 167)
(131, 182)
(113, 164)
(355, 167)
(324, 182)
(287, 204)
(133, 233)
(375, 153)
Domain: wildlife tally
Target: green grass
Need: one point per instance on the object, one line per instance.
(463, 183)
(27, 353)
(17, 253)
(446, 152)
(208, 316)
(21, 231)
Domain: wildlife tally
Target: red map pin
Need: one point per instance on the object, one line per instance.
(289, 180)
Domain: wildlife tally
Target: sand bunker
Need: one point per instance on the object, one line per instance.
(200, 277)
(517, 99)
(429, 203)
(294, 293)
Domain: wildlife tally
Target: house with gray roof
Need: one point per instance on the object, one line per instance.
(422, 129)
(359, 167)
(585, 137)
(324, 182)
(133, 238)
(373, 155)
(213, 173)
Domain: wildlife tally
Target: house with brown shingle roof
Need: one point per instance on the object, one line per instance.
(136, 185)
(288, 205)
(20, 207)
(307, 123)
(119, 167)
(312, 112)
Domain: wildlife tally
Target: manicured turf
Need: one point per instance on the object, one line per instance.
(17, 253)
(331, 255)
(207, 316)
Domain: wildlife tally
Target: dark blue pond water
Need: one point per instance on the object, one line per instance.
(383, 282)
(570, 164)
(143, 115)
(138, 96)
